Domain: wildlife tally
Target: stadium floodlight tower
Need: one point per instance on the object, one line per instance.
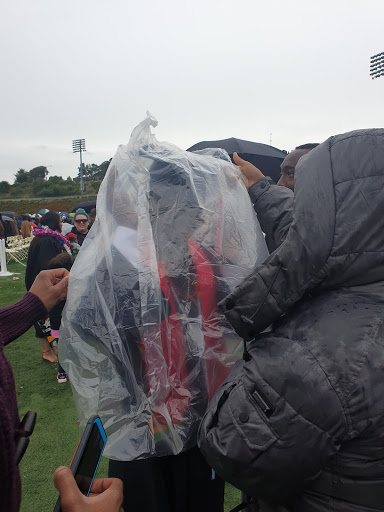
(78, 146)
(377, 65)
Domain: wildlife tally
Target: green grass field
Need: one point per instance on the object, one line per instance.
(56, 433)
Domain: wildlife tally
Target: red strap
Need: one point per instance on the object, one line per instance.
(177, 399)
(206, 291)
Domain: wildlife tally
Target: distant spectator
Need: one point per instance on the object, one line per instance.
(63, 260)
(81, 228)
(26, 228)
(48, 243)
(1, 227)
(15, 228)
(8, 231)
(92, 217)
(10, 228)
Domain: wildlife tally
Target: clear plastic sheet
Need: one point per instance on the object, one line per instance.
(141, 338)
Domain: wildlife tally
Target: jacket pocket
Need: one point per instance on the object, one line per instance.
(234, 432)
(249, 415)
(262, 402)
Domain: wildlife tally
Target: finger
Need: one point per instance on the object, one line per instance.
(63, 283)
(102, 484)
(112, 487)
(66, 484)
(59, 273)
(61, 287)
(54, 275)
(237, 159)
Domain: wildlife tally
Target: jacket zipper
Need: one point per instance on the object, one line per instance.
(222, 400)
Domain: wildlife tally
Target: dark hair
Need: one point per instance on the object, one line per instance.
(309, 145)
(63, 260)
(92, 213)
(52, 220)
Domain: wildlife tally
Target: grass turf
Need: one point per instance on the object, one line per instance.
(56, 432)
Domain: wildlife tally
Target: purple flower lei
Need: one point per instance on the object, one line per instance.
(54, 234)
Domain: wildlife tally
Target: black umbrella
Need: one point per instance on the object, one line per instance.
(10, 214)
(266, 158)
(87, 206)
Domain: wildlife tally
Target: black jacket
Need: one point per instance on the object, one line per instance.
(41, 251)
(300, 425)
(80, 236)
(274, 208)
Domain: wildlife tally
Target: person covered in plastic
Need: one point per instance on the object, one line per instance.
(301, 424)
(143, 342)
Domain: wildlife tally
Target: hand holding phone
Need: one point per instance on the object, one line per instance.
(84, 465)
(107, 497)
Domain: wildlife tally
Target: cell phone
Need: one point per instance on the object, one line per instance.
(86, 458)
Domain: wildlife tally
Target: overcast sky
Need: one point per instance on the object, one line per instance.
(207, 70)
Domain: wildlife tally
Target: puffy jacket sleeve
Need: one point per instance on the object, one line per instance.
(275, 422)
(274, 206)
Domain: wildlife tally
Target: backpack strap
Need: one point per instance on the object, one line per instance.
(206, 292)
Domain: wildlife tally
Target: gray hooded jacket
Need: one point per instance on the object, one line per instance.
(299, 423)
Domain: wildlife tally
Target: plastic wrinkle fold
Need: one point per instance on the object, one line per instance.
(141, 337)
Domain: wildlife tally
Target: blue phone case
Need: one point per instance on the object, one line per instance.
(77, 457)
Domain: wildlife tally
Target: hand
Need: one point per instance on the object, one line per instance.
(251, 172)
(51, 286)
(107, 494)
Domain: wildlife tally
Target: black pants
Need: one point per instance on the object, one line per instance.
(176, 483)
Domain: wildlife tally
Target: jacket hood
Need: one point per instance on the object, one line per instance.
(336, 236)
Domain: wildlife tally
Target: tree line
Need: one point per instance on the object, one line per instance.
(37, 183)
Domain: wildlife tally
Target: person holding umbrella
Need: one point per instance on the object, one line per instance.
(273, 203)
(10, 227)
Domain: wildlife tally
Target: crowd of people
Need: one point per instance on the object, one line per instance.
(51, 249)
(13, 225)
(298, 422)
